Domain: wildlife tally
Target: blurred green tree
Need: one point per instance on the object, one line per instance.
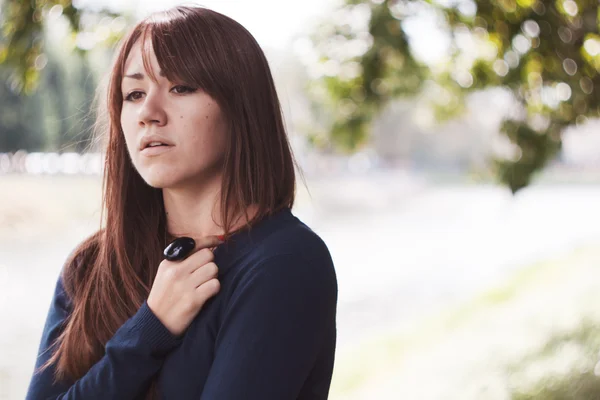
(47, 45)
(38, 122)
(546, 53)
(22, 35)
(21, 124)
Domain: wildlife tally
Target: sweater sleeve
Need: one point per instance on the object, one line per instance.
(274, 327)
(132, 356)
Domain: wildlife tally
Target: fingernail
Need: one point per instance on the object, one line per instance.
(221, 237)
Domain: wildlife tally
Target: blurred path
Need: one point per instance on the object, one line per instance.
(435, 246)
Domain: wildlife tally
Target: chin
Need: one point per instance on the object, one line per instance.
(157, 183)
(166, 181)
(158, 180)
(162, 177)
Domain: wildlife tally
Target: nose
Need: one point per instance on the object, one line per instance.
(152, 111)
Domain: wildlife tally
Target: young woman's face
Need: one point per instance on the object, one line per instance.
(187, 121)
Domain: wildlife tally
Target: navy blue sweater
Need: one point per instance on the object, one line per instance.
(269, 333)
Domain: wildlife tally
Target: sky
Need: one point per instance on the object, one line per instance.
(274, 23)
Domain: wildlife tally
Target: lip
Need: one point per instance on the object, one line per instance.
(146, 140)
(155, 151)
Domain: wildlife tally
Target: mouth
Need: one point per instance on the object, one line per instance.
(155, 148)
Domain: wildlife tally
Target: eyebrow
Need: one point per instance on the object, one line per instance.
(139, 76)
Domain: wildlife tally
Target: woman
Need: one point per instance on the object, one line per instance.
(196, 148)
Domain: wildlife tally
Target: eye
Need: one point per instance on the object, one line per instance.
(135, 95)
(181, 89)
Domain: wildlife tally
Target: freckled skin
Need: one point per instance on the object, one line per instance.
(199, 134)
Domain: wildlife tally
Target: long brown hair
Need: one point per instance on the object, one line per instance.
(110, 274)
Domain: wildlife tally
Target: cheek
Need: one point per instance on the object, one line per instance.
(128, 128)
(203, 127)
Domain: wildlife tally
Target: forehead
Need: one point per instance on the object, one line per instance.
(134, 63)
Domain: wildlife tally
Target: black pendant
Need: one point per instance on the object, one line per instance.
(179, 248)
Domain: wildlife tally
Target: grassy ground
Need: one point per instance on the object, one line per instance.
(33, 207)
(485, 347)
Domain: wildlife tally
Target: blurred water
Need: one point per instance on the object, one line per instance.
(402, 249)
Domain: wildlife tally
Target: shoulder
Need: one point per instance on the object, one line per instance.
(290, 256)
(295, 243)
(293, 279)
(295, 238)
(278, 252)
(283, 271)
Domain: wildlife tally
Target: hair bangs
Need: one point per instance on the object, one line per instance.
(190, 64)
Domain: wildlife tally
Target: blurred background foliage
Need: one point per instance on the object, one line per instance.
(545, 53)
(24, 35)
(52, 57)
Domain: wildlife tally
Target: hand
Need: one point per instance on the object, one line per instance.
(181, 288)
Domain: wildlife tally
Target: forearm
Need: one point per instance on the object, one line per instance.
(132, 357)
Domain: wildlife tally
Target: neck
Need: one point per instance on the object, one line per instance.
(193, 211)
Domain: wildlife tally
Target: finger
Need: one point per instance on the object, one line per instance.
(202, 252)
(197, 260)
(207, 290)
(203, 274)
(207, 242)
